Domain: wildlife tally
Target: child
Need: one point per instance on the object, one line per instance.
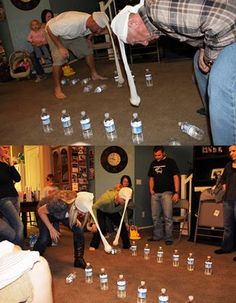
(50, 188)
(38, 40)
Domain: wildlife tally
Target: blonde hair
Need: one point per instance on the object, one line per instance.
(36, 21)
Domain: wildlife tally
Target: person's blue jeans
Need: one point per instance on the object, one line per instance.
(229, 237)
(162, 209)
(10, 208)
(220, 85)
(44, 236)
(6, 231)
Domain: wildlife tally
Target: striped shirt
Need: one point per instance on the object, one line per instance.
(208, 24)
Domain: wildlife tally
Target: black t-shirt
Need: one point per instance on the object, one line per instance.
(8, 175)
(163, 171)
(229, 178)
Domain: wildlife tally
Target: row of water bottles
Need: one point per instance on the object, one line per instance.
(109, 125)
(121, 286)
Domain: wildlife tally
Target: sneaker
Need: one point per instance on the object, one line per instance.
(220, 251)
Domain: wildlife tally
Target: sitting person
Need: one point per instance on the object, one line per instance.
(38, 40)
(109, 205)
(19, 276)
(62, 207)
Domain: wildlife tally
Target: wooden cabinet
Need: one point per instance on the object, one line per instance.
(71, 165)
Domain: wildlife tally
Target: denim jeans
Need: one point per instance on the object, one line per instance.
(220, 86)
(162, 208)
(9, 208)
(44, 236)
(229, 238)
(6, 231)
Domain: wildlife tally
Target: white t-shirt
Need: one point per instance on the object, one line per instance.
(69, 25)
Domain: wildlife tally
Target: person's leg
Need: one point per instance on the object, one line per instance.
(115, 218)
(202, 83)
(101, 217)
(229, 226)
(222, 97)
(38, 52)
(6, 232)
(167, 206)
(45, 52)
(157, 216)
(42, 287)
(37, 67)
(43, 238)
(10, 213)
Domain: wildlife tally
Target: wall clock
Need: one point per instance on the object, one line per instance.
(114, 159)
(25, 5)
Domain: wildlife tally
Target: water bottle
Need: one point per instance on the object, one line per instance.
(137, 130)
(160, 255)
(115, 251)
(103, 279)
(32, 240)
(133, 248)
(110, 128)
(146, 252)
(174, 142)
(116, 79)
(175, 258)
(88, 273)
(71, 277)
(208, 266)
(85, 81)
(121, 287)
(192, 130)
(100, 88)
(133, 75)
(163, 297)
(142, 293)
(148, 78)
(190, 299)
(46, 121)
(190, 262)
(88, 88)
(86, 126)
(74, 81)
(66, 123)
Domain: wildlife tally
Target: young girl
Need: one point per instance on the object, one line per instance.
(38, 40)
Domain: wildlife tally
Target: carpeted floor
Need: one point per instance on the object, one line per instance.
(173, 98)
(180, 283)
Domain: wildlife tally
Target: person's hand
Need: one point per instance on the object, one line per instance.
(152, 192)
(94, 228)
(202, 65)
(90, 40)
(54, 234)
(64, 52)
(78, 223)
(119, 200)
(175, 197)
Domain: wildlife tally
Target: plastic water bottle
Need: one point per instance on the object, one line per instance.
(74, 81)
(163, 296)
(66, 123)
(121, 287)
(116, 79)
(189, 299)
(86, 126)
(110, 128)
(103, 279)
(100, 88)
(160, 254)
(71, 277)
(208, 268)
(146, 252)
(192, 130)
(88, 273)
(174, 142)
(190, 262)
(175, 258)
(148, 78)
(142, 293)
(85, 81)
(88, 88)
(46, 121)
(133, 248)
(137, 129)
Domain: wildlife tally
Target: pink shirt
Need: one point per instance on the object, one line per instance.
(37, 37)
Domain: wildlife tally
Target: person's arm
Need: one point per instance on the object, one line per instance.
(15, 174)
(175, 197)
(151, 185)
(43, 213)
(57, 41)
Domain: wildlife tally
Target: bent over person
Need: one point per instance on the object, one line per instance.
(164, 188)
(62, 207)
(69, 31)
(208, 25)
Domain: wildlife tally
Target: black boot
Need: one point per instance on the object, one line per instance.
(78, 254)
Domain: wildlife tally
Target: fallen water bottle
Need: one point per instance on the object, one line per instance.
(100, 88)
(85, 81)
(88, 88)
(74, 81)
(32, 240)
(64, 81)
(71, 277)
(46, 121)
(192, 130)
